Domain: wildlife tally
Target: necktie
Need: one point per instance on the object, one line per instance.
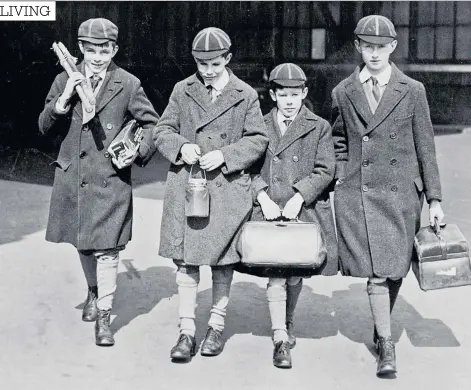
(376, 90)
(94, 80)
(212, 92)
(287, 122)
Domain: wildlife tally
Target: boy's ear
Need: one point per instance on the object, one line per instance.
(357, 45)
(228, 58)
(393, 45)
(115, 50)
(304, 94)
(272, 95)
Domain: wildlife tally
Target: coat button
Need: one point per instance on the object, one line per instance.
(218, 184)
(295, 180)
(364, 188)
(83, 184)
(393, 161)
(105, 184)
(295, 158)
(107, 155)
(85, 128)
(223, 135)
(109, 126)
(82, 154)
(365, 163)
(394, 188)
(366, 138)
(276, 159)
(275, 180)
(393, 135)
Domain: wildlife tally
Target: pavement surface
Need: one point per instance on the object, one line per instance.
(45, 345)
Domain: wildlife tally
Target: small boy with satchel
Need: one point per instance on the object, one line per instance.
(291, 190)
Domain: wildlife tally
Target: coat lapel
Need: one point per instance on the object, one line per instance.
(231, 95)
(395, 91)
(304, 122)
(357, 96)
(111, 86)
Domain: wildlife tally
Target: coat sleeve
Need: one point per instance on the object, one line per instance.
(166, 135)
(425, 146)
(312, 186)
(143, 111)
(241, 154)
(257, 183)
(49, 115)
(339, 137)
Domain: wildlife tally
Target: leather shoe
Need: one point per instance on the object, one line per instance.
(291, 335)
(90, 311)
(282, 355)
(213, 343)
(387, 357)
(103, 335)
(184, 349)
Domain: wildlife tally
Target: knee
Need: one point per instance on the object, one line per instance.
(187, 279)
(276, 282)
(377, 286)
(222, 274)
(294, 281)
(108, 257)
(276, 291)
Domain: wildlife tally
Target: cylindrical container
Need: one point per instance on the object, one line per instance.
(197, 197)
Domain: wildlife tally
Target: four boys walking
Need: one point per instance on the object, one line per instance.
(379, 153)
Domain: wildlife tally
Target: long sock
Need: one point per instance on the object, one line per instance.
(292, 296)
(89, 266)
(187, 291)
(394, 287)
(378, 293)
(222, 279)
(107, 275)
(276, 295)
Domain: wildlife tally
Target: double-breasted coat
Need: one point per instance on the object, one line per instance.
(385, 162)
(302, 160)
(91, 202)
(233, 124)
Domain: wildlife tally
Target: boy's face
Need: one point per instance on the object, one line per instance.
(375, 57)
(289, 100)
(97, 57)
(211, 70)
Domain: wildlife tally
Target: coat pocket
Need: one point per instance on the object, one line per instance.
(62, 164)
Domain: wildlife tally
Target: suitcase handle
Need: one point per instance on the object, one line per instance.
(441, 240)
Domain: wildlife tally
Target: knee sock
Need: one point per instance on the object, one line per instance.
(107, 275)
(89, 266)
(378, 293)
(293, 289)
(276, 295)
(222, 279)
(394, 286)
(187, 290)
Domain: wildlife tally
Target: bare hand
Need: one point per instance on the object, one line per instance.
(124, 160)
(212, 160)
(190, 153)
(75, 79)
(270, 209)
(435, 212)
(293, 206)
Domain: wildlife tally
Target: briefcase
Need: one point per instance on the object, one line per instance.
(127, 141)
(442, 257)
(282, 244)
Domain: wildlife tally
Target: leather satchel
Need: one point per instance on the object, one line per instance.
(442, 257)
(282, 245)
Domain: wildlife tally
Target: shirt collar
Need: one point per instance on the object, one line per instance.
(383, 77)
(220, 83)
(281, 118)
(89, 73)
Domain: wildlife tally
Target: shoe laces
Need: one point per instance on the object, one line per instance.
(182, 339)
(387, 348)
(283, 349)
(104, 317)
(212, 335)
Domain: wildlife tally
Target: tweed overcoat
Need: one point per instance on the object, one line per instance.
(385, 163)
(302, 160)
(91, 202)
(233, 124)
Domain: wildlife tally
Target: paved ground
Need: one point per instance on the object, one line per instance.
(44, 345)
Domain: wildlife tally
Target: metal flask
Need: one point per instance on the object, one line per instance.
(197, 196)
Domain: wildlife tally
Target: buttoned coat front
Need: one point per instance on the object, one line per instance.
(385, 163)
(91, 202)
(302, 160)
(232, 124)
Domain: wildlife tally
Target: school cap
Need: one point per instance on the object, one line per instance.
(375, 29)
(288, 75)
(210, 43)
(98, 31)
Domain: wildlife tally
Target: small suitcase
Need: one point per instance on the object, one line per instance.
(442, 257)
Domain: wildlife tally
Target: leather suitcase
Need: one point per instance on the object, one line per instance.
(282, 245)
(442, 258)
